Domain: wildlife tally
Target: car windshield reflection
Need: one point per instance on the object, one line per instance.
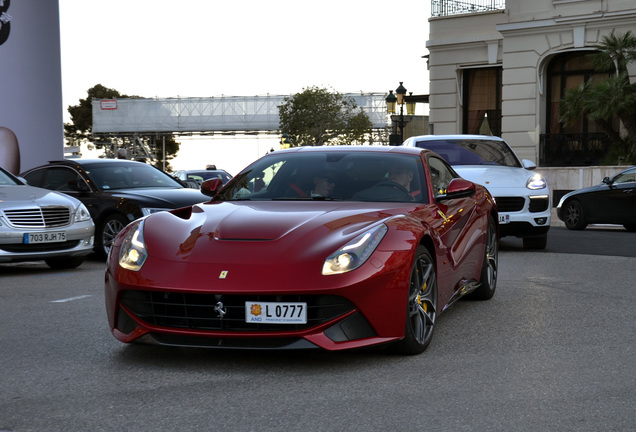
(328, 176)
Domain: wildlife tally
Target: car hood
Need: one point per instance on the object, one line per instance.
(28, 196)
(589, 189)
(493, 176)
(163, 197)
(236, 231)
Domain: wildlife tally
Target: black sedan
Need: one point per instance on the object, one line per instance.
(115, 191)
(612, 202)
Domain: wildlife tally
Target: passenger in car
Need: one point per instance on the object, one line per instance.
(324, 183)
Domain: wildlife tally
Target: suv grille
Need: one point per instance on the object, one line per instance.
(196, 311)
(39, 217)
(510, 204)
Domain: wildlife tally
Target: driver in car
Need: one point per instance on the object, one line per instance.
(402, 175)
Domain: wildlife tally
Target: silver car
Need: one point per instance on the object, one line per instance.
(38, 224)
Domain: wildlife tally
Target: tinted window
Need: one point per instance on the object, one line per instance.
(342, 175)
(473, 152)
(127, 176)
(441, 175)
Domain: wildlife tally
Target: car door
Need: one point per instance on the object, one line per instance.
(614, 202)
(456, 218)
(623, 197)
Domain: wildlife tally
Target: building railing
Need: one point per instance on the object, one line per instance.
(442, 8)
(573, 149)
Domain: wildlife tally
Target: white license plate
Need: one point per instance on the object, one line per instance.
(47, 237)
(275, 313)
(504, 218)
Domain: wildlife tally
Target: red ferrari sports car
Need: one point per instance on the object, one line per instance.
(311, 247)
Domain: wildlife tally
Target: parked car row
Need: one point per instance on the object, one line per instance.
(115, 191)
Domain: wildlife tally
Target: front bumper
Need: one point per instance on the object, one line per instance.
(360, 308)
(79, 242)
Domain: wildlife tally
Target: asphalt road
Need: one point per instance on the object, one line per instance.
(608, 240)
(552, 351)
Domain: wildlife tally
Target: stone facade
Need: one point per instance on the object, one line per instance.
(521, 39)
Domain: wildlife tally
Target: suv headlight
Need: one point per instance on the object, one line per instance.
(133, 253)
(355, 253)
(81, 213)
(536, 182)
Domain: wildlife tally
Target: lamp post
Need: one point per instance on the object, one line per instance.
(400, 99)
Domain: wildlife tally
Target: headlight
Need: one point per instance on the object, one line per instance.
(355, 253)
(147, 211)
(81, 213)
(536, 182)
(132, 253)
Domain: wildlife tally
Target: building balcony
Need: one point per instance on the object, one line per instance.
(443, 8)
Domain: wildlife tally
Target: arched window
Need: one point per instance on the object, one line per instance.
(567, 71)
(581, 142)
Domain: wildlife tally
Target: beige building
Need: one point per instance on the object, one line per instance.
(500, 67)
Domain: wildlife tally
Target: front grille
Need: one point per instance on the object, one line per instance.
(510, 204)
(39, 247)
(39, 217)
(196, 311)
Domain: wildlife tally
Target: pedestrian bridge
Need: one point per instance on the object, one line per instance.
(209, 115)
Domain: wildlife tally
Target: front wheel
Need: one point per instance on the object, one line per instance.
(573, 215)
(107, 233)
(421, 308)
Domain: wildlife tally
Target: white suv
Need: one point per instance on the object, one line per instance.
(522, 196)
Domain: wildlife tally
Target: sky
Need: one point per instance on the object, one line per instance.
(203, 48)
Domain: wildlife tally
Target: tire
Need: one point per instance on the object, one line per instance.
(64, 262)
(490, 268)
(573, 215)
(107, 232)
(421, 309)
(535, 243)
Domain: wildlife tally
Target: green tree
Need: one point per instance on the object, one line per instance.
(610, 98)
(81, 127)
(317, 116)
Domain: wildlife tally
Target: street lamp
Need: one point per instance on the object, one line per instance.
(399, 98)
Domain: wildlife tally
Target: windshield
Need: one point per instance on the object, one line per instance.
(473, 152)
(330, 175)
(127, 176)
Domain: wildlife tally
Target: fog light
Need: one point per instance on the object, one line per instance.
(541, 220)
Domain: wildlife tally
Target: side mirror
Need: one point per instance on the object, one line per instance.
(528, 164)
(458, 188)
(211, 187)
(607, 180)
